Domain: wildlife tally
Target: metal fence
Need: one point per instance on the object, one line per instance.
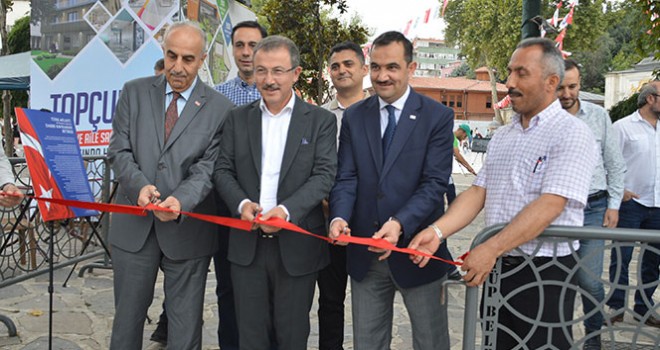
(25, 237)
(629, 334)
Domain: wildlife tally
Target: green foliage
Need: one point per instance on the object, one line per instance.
(463, 70)
(309, 23)
(487, 32)
(624, 108)
(18, 39)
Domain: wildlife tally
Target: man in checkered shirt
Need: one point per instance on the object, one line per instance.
(537, 173)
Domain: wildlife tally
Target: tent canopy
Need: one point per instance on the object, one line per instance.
(15, 71)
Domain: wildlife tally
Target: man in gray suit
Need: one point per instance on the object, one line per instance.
(278, 158)
(166, 134)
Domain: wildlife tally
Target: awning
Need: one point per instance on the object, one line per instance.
(15, 71)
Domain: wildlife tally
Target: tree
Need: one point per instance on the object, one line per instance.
(463, 70)
(309, 23)
(486, 32)
(19, 41)
(5, 5)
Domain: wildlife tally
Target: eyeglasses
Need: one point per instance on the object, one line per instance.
(656, 95)
(276, 72)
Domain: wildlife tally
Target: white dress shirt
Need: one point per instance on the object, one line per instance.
(640, 145)
(398, 107)
(274, 130)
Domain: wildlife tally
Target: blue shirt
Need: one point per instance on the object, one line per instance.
(238, 91)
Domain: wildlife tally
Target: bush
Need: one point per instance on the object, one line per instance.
(624, 108)
(55, 69)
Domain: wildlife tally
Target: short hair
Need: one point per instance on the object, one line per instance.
(553, 62)
(277, 41)
(159, 65)
(570, 63)
(249, 24)
(189, 24)
(394, 36)
(348, 45)
(647, 90)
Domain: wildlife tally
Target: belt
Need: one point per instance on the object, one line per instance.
(598, 195)
(517, 260)
(263, 234)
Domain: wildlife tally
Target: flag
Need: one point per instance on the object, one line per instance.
(427, 15)
(560, 39)
(444, 7)
(567, 20)
(405, 31)
(503, 103)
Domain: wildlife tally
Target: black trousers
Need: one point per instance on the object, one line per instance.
(332, 292)
(540, 313)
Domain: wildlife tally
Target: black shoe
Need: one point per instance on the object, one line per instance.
(593, 343)
(455, 276)
(160, 334)
(614, 319)
(651, 321)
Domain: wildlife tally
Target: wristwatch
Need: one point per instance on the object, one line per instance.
(438, 232)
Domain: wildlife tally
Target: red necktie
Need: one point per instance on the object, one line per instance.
(171, 115)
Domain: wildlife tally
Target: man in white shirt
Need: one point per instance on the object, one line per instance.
(639, 138)
(605, 194)
(278, 157)
(537, 173)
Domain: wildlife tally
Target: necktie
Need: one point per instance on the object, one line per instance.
(171, 115)
(389, 130)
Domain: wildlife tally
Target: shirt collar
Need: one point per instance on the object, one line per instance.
(334, 104)
(288, 108)
(398, 104)
(186, 93)
(540, 118)
(239, 81)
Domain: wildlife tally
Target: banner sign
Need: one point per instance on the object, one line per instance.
(53, 158)
(83, 51)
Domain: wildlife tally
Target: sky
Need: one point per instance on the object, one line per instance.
(385, 15)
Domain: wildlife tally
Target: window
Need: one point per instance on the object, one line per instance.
(451, 101)
(72, 16)
(459, 102)
(489, 103)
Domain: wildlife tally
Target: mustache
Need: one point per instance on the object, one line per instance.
(514, 92)
(270, 87)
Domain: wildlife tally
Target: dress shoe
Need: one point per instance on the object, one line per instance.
(651, 321)
(160, 334)
(614, 319)
(455, 276)
(592, 343)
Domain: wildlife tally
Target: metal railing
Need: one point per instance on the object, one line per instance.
(630, 334)
(25, 237)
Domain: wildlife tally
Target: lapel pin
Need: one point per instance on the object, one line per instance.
(304, 141)
(413, 117)
(197, 103)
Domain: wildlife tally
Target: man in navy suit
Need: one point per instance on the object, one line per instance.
(395, 156)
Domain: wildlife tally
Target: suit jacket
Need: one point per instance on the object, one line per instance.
(182, 167)
(306, 176)
(409, 184)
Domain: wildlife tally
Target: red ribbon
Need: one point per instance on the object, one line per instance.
(243, 224)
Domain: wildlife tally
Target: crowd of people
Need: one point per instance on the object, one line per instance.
(375, 166)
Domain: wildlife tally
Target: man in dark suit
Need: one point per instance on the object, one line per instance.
(395, 156)
(278, 158)
(166, 134)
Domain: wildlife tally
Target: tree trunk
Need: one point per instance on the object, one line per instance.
(6, 97)
(493, 92)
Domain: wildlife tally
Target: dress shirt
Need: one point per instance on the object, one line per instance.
(274, 130)
(181, 102)
(610, 169)
(238, 91)
(640, 145)
(556, 154)
(335, 107)
(398, 107)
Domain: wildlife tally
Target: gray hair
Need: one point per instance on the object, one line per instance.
(189, 24)
(274, 42)
(647, 90)
(553, 62)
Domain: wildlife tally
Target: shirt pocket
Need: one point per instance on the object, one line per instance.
(638, 144)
